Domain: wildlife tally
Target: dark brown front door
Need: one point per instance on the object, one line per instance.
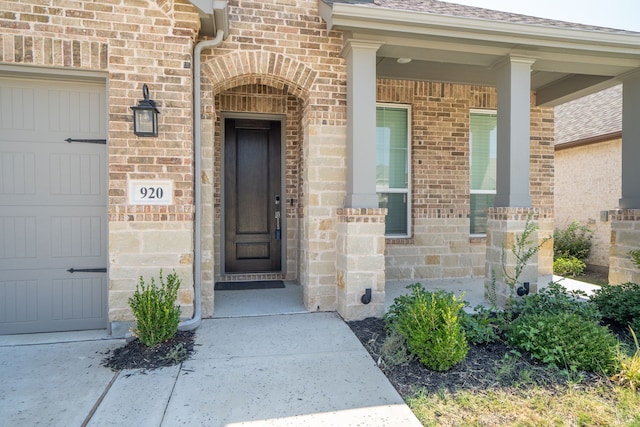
(252, 196)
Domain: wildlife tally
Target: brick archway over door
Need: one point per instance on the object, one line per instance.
(272, 69)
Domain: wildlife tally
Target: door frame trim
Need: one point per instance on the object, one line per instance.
(283, 183)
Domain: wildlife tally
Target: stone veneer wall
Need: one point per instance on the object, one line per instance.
(360, 264)
(504, 226)
(126, 44)
(440, 245)
(625, 236)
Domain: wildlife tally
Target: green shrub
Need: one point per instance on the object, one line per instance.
(620, 303)
(401, 305)
(568, 267)
(566, 340)
(554, 299)
(573, 241)
(154, 307)
(481, 327)
(394, 350)
(635, 257)
(430, 323)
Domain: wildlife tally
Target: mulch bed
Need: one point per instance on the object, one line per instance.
(487, 366)
(135, 355)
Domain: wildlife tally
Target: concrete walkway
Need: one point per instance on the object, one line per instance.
(253, 366)
(281, 370)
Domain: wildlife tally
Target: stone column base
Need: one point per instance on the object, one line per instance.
(360, 262)
(625, 237)
(504, 226)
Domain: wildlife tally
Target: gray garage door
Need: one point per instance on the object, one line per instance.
(52, 206)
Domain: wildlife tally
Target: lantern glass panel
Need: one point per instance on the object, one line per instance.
(144, 121)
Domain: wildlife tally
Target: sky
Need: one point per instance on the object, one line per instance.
(619, 14)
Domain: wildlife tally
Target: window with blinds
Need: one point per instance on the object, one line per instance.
(393, 167)
(482, 159)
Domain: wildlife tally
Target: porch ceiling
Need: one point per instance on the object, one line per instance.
(569, 62)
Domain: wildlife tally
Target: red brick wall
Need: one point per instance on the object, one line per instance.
(440, 144)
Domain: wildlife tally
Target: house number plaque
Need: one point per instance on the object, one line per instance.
(150, 192)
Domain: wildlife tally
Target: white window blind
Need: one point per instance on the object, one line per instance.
(483, 155)
(392, 167)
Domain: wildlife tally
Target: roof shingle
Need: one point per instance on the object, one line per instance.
(436, 7)
(590, 116)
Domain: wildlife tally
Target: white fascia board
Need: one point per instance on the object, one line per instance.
(326, 13)
(352, 16)
(205, 6)
(214, 15)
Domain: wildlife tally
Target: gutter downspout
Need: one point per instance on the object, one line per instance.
(194, 322)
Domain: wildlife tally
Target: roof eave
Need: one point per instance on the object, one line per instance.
(355, 17)
(588, 141)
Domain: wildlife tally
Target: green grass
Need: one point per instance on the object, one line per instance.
(602, 405)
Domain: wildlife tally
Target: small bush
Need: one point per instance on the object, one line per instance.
(430, 323)
(554, 299)
(394, 350)
(568, 267)
(635, 257)
(402, 304)
(154, 307)
(566, 340)
(573, 241)
(481, 327)
(620, 303)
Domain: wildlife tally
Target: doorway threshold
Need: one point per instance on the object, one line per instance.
(259, 302)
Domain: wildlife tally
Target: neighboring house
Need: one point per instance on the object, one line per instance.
(337, 144)
(588, 166)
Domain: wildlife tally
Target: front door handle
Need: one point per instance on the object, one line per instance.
(278, 236)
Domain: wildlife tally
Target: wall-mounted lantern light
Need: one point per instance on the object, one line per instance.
(145, 115)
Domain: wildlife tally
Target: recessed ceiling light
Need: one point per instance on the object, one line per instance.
(403, 60)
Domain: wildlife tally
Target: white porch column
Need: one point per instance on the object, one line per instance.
(514, 111)
(631, 142)
(361, 123)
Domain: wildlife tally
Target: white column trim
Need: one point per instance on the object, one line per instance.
(360, 57)
(514, 133)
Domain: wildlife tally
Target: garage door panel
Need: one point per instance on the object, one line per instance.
(77, 298)
(51, 301)
(54, 238)
(76, 112)
(62, 174)
(18, 173)
(17, 108)
(30, 109)
(75, 174)
(53, 200)
(16, 300)
(76, 236)
(18, 238)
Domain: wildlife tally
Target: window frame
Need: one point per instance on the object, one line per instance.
(471, 190)
(408, 190)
